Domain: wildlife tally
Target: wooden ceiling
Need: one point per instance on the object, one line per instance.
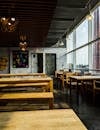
(42, 21)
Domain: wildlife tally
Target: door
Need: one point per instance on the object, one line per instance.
(50, 63)
(40, 62)
(34, 63)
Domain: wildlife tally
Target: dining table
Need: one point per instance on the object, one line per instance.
(80, 79)
(56, 119)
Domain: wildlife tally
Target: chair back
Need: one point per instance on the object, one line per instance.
(96, 84)
(68, 74)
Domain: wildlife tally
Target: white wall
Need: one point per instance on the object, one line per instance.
(60, 58)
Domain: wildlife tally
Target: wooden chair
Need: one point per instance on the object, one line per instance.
(96, 88)
(73, 83)
(63, 79)
(58, 75)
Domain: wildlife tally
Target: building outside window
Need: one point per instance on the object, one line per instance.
(82, 59)
(70, 61)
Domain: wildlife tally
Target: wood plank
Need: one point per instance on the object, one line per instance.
(60, 119)
(25, 84)
(24, 80)
(27, 96)
(22, 74)
(32, 95)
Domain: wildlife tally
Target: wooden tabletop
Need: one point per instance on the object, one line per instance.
(90, 77)
(22, 74)
(31, 79)
(60, 119)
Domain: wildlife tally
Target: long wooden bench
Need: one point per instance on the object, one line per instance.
(28, 96)
(22, 75)
(24, 84)
(46, 83)
(21, 82)
(43, 85)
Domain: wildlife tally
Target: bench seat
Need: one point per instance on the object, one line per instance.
(26, 96)
(24, 84)
(43, 85)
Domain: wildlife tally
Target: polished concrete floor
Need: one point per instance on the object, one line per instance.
(88, 112)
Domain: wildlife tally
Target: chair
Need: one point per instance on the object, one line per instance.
(96, 88)
(58, 75)
(63, 79)
(73, 83)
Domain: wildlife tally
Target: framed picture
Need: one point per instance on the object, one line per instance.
(20, 59)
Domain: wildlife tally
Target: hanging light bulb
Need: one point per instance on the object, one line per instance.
(89, 17)
(23, 43)
(61, 43)
(8, 24)
(13, 19)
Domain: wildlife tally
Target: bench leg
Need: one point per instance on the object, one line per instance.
(50, 103)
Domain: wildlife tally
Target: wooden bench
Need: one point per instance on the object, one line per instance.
(47, 82)
(28, 96)
(22, 75)
(43, 82)
(43, 85)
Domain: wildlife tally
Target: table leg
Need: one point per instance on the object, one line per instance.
(70, 88)
(77, 93)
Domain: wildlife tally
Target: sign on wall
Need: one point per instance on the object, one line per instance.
(3, 62)
(20, 59)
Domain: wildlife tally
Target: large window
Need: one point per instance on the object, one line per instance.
(96, 23)
(96, 45)
(70, 60)
(82, 34)
(70, 42)
(82, 58)
(83, 48)
(96, 56)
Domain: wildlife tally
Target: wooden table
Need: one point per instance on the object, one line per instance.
(79, 79)
(62, 119)
(17, 80)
